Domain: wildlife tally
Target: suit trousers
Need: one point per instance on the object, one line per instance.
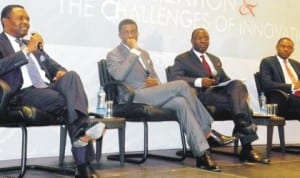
(192, 115)
(232, 98)
(66, 94)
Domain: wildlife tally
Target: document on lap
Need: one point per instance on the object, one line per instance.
(226, 83)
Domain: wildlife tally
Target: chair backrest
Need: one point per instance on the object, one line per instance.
(258, 83)
(105, 77)
(169, 73)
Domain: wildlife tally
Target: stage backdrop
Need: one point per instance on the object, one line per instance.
(78, 33)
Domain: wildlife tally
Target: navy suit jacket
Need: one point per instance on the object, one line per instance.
(11, 61)
(272, 75)
(188, 67)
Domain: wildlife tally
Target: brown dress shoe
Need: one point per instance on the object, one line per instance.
(253, 157)
(85, 171)
(207, 162)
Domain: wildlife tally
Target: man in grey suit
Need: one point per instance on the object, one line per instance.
(203, 70)
(130, 64)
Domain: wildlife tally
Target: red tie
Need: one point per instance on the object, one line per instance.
(205, 65)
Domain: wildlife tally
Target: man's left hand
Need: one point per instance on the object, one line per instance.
(59, 75)
(150, 82)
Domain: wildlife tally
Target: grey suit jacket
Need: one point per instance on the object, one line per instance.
(272, 75)
(124, 66)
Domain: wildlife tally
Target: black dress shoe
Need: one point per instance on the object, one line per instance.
(253, 157)
(85, 171)
(216, 139)
(206, 162)
(243, 131)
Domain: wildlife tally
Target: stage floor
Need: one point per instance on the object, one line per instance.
(282, 166)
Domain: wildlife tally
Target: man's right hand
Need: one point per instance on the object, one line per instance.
(132, 43)
(208, 82)
(34, 42)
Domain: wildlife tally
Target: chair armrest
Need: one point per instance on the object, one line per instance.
(277, 96)
(96, 115)
(5, 93)
(128, 89)
(280, 98)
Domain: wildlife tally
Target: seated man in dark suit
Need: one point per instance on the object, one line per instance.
(64, 95)
(132, 65)
(283, 73)
(202, 71)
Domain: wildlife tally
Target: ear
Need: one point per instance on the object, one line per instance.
(4, 21)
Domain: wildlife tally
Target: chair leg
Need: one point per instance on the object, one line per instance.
(98, 149)
(133, 158)
(62, 144)
(22, 167)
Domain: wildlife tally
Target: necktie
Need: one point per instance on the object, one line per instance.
(206, 66)
(290, 73)
(33, 72)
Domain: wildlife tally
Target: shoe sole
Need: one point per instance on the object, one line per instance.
(96, 131)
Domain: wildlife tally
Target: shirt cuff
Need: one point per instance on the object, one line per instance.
(135, 51)
(198, 82)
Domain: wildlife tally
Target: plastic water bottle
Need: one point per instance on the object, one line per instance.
(101, 106)
(263, 103)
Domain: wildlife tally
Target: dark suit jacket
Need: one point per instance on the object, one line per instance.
(188, 67)
(272, 75)
(11, 61)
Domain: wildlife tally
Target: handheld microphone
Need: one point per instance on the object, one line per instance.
(40, 44)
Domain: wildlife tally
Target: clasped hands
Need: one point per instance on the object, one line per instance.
(150, 82)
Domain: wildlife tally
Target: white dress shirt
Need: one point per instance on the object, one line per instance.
(26, 79)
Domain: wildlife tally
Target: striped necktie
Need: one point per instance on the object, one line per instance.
(33, 71)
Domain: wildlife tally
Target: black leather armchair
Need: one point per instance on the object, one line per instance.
(281, 99)
(136, 112)
(23, 117)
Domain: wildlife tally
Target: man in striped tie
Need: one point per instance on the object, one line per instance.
(282, 72)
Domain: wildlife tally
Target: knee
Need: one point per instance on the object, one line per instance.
(183, 84)
(238, 84)
(71, 74)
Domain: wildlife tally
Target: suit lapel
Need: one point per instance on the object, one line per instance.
(278, 68)
(125, 52)
(197, 65)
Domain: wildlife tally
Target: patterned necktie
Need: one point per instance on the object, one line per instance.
(290, 73)
(206, 66)
(33, 72)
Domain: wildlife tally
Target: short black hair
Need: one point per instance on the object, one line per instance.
(284, 38)
(127, 22)
(197, 29)
(7, 9)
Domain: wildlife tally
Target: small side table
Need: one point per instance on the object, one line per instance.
(113, 123)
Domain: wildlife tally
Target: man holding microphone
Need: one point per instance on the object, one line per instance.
(26, 67)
